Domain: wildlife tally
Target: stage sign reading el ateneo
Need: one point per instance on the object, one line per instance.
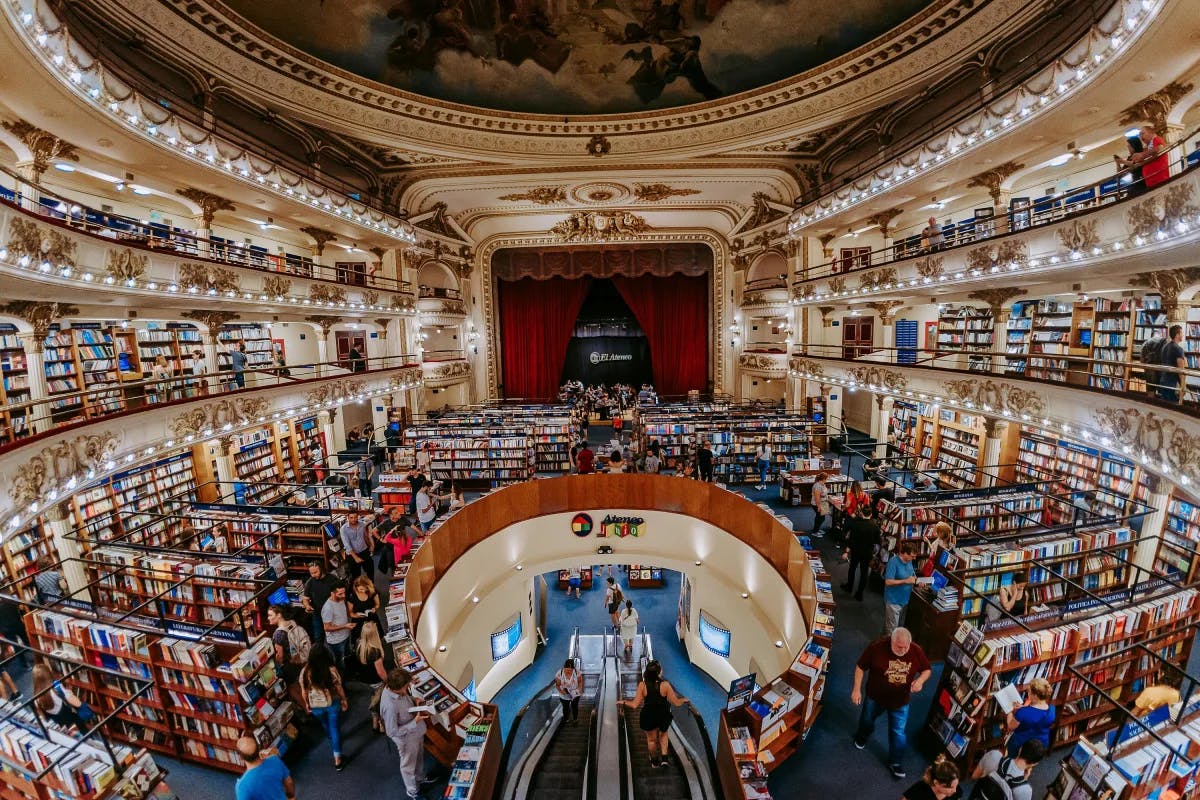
(608, 359)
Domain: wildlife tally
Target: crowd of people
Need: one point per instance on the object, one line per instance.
(609, 402)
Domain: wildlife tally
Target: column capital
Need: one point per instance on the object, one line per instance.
(1168, 283)
(212, 320)
(994, 177)
(884, 219)
(997, 299)
(382, 322)
(321, 236)
(39, 315)
(44, 146)
(886, 309)
(325, 323)
(209, 204)
(1153, 109)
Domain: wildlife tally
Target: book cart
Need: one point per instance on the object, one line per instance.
(197, 636)
(41, 760)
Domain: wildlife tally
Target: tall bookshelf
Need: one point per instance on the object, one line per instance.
(14, 386)
(298, 540)
(20, 554)
(1049, 341)
(1149, 320)
(259, 466)
(552, 438)
(135, 501)
(968, 330)
(176, 343)
(1112, 344)
(1191, 346)
(257, 339)
(969, 722)
(1017, 337)
(1080, 468)
(1176, 555)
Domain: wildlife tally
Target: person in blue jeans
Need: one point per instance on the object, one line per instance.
(894, 668)
(237, 362)
(325, 698)
(898, 578)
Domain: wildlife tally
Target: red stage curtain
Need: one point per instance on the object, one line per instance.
(673, 312)
(537, 319)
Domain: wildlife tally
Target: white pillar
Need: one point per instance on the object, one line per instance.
(29, 195)
(994, 431)
(39, 415)
(59, 529)
(880, 416)
(1153, 522)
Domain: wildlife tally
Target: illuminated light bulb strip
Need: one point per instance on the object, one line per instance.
(1019, 107)
(1079, 434)
(76, 277)
(133, 112)
(147, 452)
(1180, 229)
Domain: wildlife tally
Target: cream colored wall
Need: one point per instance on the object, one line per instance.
(488, 571)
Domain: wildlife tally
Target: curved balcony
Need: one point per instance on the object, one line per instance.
(441, 306)
(763, 364)
(126, 256)
(445, 368)
(1164, 436)
(770, 296)
(1100, 228)
(45, 467)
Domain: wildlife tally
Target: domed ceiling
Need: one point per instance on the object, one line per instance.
(576, 56)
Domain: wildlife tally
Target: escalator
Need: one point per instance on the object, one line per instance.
(564, 762)
(667, 782)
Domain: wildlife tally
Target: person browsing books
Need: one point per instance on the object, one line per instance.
(1032, 720)
(894, 668)
(358, 546)
(266, 777)
(898, 579)
(405, 726)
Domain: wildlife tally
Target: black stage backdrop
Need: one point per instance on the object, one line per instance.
(609, 359)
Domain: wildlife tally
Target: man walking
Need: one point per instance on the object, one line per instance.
(358, 546)
(336, 617)
(861, 538)
(585, 459)
(1171, 355)
(405, 729)
(316, 591)
(704, 460)
(894, 668)
(898, 580)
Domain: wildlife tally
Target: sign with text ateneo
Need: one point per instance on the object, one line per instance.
(581, 525)
(604, 358)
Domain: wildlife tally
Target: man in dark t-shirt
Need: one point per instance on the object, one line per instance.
(585, 460)
(704, 460)
(316, 591)
(894, 669)
(416, 479)
(881, 492)
(1171, 355)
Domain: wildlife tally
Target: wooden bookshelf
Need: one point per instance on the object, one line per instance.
(1149, 320)
(135, 501)
(1079, 469)
(20, 554)
(299, 540)
(968, 330)
(471, 455)
(14, 388)
(1017, 338)
(259, 355)
(968, 722)
(176, 343)
(1176, 555)
(1049, 341)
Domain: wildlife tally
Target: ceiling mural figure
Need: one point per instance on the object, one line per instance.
(576, 56)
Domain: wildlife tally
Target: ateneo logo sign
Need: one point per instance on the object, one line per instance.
(602, 358)
(622, 526)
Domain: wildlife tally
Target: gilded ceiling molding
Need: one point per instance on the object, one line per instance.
(837, 285)
(931, 267)
(1154, 109)
(321, 236)
(886, 309)
(826, 239)
(989, 396)
(48, 473)
(210, 417)
(44, 147)
(403, 302)
(763, 362)
(872, 279)
(40, 316)
(600, 226)
(1079, 236)
(370, 297)
(1162, 210)
(27, 239)
(762, 212)
(277, 286)
(1152, 435)
(826, 319)
(873, 377)
(208, 277)
(654, 192)
(125, 265)
(325, 293)
(1002, 253)
(212, 321)
(447, 374)
(324, 322)
(209, 204)
(884, 220)
(1169, 283)
(994, 178)
(598, 146)
(998, 300)
(806, 368)
(542, 195)
(333, 391)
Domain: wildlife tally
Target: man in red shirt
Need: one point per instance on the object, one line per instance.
(585, 460)
(894, 668)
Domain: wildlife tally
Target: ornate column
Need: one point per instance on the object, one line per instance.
(879, 419)
(884, 220)
(886, 309)
(1168, 283)
(335, 433)
(376, 272)
(55, 521)
(222, 455)
(998, 302)
(40, 317)
(322, 237)
(44, 147)
(324, 324)
(994, 430)
(209, 204)
(1155, 109)
(1152, 523)
(992, 180)
(212, 322)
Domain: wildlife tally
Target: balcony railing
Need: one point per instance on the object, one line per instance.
(1041, 213)
(434, 356)
(143, 234)
(22, 423)
(440, 292)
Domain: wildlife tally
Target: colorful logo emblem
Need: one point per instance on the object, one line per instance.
(581, 525)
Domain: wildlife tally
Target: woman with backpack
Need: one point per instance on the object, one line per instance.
(325, 698)
(59, 704)
(612, 601)
(629, 623)
(1000, 777)
(372, 667)
(292, 648)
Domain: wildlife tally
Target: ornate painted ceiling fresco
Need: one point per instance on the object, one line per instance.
(576, 56)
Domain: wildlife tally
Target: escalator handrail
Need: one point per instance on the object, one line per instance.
(589, 783)
(506, 753)
(709, 757)
(626, 763)
(610, 737)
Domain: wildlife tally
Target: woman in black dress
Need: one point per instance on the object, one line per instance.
(364, 605)
(655, 696)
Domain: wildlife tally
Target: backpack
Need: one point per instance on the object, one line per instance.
(618, 596)
(998, 785)
(299, 645)
(1152, 350)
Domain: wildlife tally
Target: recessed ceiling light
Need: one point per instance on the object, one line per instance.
(64, 167)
